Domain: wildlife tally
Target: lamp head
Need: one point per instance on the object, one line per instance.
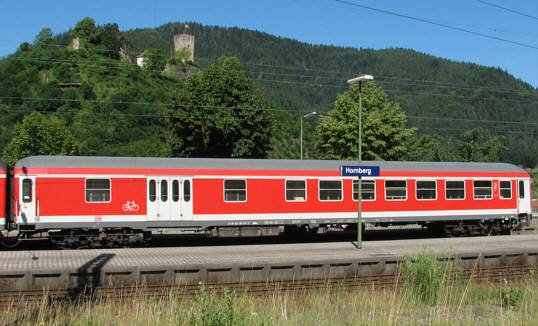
(361, 78)
(309, 114)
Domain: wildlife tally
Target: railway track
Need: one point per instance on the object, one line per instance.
(496, 275)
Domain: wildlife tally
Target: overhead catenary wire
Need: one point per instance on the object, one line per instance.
(489, 28)
(402, 81)
(281, 81)
(474, 98)
(431, 22)
(487, 3)
(500, 132)
(345, 75)
(402, 91)
(348, 3)
(122, 64)
(214, 108)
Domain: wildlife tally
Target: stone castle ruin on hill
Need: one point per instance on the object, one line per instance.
(185, 42)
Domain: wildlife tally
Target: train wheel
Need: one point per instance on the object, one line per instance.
(10, 242)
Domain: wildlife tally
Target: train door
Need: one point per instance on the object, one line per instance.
(186, 199)
(169, 198)
(523, 196)
(27, 200)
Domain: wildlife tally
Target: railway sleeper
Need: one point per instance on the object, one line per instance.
(93, 238)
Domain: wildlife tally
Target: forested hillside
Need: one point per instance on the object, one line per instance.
(112, 107)
(438, 95)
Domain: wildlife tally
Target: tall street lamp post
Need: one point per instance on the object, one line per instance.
(359, 80)
(304, 117)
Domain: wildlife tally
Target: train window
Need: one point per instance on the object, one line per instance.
(164, 190)
(482, 189)
(175, 190)
(186, 190)
(26, 190)
(97, 190)
(426, 190)
(152, 190)
(235, 190)
(330, 190)
(395, 190)
(295, 190)
(368, 190)
(521, 189)
(455, 190)
(505, 189)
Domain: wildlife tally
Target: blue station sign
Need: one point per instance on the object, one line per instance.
(359, 171)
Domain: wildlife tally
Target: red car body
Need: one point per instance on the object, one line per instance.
(152, 193)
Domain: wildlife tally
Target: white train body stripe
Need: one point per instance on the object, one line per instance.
(238, 217)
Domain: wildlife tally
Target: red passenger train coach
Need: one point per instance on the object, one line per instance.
(85, 200)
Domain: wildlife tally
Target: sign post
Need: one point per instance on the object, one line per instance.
(359, 172)
(359, 80)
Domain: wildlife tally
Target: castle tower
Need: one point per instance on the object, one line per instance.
(185, 42)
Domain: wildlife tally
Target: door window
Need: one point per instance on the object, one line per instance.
(164, 190)
(152, 190)
(26, 190)
(175, 190)
(187, 190)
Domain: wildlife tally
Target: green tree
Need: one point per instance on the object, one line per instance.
(40, 135)
(44, 37)
(476, 147)
(85, 29)
(110, 38)
(428, 148)
(154, 60)
(384, 134)
(219, 114)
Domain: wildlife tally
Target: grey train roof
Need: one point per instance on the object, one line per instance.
(3, 165)
(252, 164)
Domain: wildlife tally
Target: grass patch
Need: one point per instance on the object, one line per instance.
(427, 278)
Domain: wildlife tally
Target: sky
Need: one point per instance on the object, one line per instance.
(476, 31)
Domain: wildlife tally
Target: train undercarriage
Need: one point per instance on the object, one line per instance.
(127, 237)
